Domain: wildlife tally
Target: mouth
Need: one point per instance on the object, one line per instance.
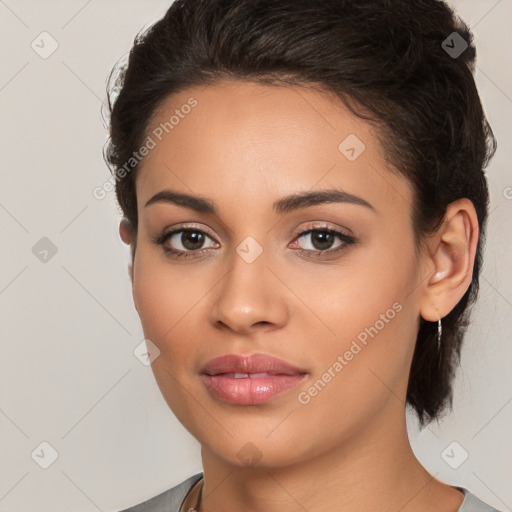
(250, 380)
(249, 375)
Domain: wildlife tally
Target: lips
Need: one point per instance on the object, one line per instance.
(254, 364)
(250, 380)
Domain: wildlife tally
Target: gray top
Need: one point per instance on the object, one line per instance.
(172, 499)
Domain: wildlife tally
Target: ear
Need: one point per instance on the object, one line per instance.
(452, 252)
(129, 237)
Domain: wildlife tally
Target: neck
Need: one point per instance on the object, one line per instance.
(370, 470)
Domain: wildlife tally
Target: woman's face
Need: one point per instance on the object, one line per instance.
(247, 282)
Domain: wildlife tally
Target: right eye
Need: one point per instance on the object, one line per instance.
(184, 242)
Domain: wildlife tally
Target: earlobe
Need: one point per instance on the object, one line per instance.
(126, 232)
(453, 251)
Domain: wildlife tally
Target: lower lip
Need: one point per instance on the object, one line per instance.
(249, 391)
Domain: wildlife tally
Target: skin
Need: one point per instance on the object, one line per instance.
(244, 146)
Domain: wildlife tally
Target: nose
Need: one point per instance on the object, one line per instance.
(249, 298)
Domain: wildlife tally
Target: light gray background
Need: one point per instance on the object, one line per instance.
(68, 327)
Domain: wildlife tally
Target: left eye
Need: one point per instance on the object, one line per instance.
(322, 240)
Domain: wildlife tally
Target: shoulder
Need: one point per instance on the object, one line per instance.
(167, 501)
(473, 504)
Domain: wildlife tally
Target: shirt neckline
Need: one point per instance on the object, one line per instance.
(463, 490)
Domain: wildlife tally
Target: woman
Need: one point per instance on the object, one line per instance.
(303, 193)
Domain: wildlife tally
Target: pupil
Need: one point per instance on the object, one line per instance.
(192, 240)
(324, 238)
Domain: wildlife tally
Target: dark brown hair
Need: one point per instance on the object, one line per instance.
(405, 66)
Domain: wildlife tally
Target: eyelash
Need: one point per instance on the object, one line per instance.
(174, 253)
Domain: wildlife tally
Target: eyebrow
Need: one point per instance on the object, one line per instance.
(284, 205)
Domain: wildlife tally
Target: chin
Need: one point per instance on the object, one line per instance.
(251, 449)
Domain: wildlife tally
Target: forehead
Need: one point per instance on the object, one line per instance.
(237, 141)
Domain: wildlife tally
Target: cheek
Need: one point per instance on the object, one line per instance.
(346, 298)
(161, 301)
(369, 311)
(165, 306)
(361, 370)
(171, 305)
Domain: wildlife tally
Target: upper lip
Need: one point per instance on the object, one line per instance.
(255, 363)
